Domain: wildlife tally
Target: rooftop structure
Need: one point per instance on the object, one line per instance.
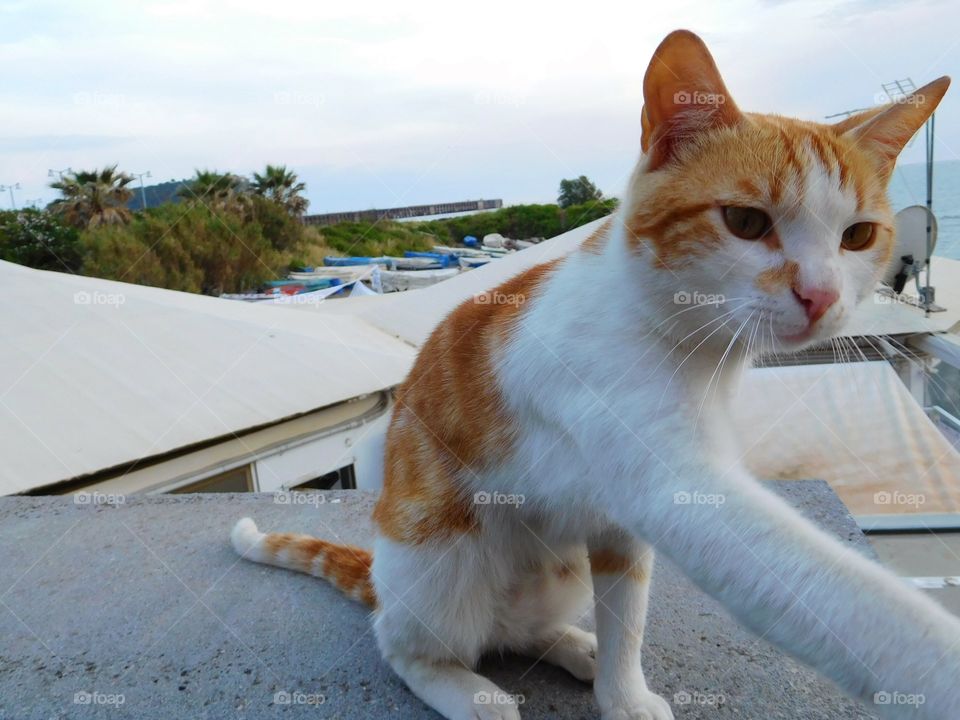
(142, 609)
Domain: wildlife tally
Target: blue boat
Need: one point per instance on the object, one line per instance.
(441, 259)
(311, 284)
(348, 261)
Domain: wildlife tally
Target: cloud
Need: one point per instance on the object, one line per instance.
(500, 100)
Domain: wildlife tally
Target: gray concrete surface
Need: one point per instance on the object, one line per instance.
(925, 554)
(147, 602)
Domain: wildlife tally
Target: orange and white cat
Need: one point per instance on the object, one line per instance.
(605, 416)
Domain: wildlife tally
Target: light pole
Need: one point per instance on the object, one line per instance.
(143, 193)
(11, 188)
(51, 173)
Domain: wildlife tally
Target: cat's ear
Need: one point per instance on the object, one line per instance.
(683, 94)
(886, 130)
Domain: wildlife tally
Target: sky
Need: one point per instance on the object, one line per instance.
(383, 104)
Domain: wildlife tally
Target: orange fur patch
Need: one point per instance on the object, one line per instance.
(776, 279)
(597, 240)
(346, 567)
(605, 561)
(760, 162)
(450, 419)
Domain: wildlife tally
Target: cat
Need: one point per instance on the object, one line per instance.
(542, 446)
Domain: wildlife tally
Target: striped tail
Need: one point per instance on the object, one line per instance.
(345, 567)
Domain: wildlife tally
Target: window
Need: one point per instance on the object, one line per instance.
(342, 479)
(239, 479)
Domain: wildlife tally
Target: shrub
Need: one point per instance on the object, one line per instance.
(39, 240)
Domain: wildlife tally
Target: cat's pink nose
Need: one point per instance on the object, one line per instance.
(816, 301)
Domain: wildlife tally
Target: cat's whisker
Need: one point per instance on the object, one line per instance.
(718, 371)
(725, 317)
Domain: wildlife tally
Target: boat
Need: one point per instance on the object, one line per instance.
(346, 273)
(399, 280)
(442, 259)
(460, 252)
(468, 263)
(293, 285)
(331, 261)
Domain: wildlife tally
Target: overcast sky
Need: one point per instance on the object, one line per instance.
(395, 103)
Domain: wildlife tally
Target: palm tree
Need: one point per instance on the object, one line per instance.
(93, 197)
(281, 185)
(219, 191)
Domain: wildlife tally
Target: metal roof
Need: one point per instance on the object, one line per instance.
(95, 374)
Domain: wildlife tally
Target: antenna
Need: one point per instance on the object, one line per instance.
(845, 113)
(896, 90)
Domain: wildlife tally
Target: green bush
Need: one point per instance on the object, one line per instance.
(386, 237)
(184, 247)
(520, 221)
(191, 247)
(40, 240)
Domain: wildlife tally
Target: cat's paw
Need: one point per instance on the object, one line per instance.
(577, 654)
(645, 706)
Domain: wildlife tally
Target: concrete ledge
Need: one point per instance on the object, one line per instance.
(148, 602)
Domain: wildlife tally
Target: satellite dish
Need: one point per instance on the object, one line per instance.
(910, 252)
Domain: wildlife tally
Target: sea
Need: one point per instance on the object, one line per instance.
(908, 186)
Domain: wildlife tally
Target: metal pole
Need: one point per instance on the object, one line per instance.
(11, 188)
(143, 192)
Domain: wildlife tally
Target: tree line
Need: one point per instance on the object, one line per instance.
(230, 233)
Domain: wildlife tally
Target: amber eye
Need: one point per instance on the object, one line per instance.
(857, 236)
(747, 223)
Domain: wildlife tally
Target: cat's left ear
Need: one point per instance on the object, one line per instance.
(683, 94)
(886, 130)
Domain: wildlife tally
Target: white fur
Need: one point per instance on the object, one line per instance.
(621, 399)
(613, 428)
(642, 419)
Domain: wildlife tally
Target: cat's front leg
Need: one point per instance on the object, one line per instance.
(621, 568)
(799, 588)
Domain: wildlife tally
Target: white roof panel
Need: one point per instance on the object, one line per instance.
(94, 373)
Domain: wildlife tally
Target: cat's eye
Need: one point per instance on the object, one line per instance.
(747, 223)
(857, 236)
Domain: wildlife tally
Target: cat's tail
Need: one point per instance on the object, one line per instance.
(345, 567)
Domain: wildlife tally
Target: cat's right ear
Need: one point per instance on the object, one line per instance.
(683, 94)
